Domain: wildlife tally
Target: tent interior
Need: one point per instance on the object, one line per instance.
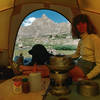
(13, 12)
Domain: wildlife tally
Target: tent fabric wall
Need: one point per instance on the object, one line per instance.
(6, 4)
(13, 12)
(90, 5)
(4, 28)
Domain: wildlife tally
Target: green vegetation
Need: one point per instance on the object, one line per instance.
(64, 47)
(61, 36)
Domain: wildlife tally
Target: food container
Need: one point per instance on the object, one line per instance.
(35, 81)
(17, 85)
(88, 88)
(25, 85)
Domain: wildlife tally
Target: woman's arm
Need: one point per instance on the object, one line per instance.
(96, 45)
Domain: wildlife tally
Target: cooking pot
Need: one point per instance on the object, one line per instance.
(60, 63)
(88, 88)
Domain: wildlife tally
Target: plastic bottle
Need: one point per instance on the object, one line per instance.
(35, 81)
(20, 59)
(25, 85)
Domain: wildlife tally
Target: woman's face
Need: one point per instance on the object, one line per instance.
(82, 27)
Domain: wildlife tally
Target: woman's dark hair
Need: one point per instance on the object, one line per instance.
(39, 54)
(82, 18)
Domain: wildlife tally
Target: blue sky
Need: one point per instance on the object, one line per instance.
(55, 16)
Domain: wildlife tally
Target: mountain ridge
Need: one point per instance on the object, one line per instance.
(44, 26)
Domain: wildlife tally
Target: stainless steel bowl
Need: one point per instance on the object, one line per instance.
(60, 63)
(88, 88)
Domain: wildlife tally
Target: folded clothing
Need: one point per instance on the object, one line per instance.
(43, 69)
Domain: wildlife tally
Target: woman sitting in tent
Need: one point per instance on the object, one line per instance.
(40, 57)
(88, 50)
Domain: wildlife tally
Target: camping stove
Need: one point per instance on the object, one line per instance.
(59, 80)
(59, 83)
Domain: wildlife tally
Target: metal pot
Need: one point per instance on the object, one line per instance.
(88, 88)
(60, 63)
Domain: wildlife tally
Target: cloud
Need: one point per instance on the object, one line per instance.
(28, 21)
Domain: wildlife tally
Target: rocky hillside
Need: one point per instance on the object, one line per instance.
(44, 26)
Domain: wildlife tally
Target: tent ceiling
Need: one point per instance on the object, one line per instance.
(6, 4)
(90, 5)
(58, 2)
